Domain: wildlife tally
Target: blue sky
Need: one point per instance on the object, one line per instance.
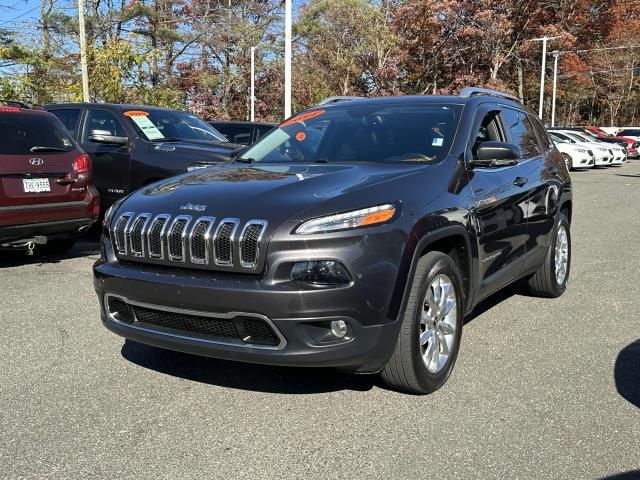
(21, 13)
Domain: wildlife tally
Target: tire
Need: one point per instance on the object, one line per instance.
(545, 282)
(58, 247)
(407, 369)
(567, 161)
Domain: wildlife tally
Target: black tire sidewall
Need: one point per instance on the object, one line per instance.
(441, 264)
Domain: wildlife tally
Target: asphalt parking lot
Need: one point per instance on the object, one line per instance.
(542, 388)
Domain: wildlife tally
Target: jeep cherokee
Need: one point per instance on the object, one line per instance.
(358, 234)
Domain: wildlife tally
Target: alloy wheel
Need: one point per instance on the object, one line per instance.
(438, 323)
(561, 254)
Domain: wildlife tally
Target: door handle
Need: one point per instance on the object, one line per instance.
(520, 181)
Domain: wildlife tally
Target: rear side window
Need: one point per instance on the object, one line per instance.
(236, 133)
(24, 133)
(543, 136)
(104, 121)
(629, 131)
(69, 118)
(522, 133)
(262, 130)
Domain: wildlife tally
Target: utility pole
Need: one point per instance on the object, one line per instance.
(287, 58)
(556, 54)
(83, 52)
(544, 41)
(253, 85)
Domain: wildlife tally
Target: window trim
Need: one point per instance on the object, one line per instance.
(83, 138)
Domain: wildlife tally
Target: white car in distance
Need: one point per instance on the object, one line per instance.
(603, 156)
(575, 156)
(619, 153)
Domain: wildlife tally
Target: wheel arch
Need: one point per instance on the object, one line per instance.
(452, 240)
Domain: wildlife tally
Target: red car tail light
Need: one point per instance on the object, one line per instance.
(9, 109)
(81, 164)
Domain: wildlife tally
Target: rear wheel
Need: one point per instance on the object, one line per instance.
(429, 338)
(552, 277)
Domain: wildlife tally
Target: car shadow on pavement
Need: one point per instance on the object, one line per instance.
(245, 376)
(630, 475)
(500, 296)
(633, 175)
(16, 258)
(627, 373)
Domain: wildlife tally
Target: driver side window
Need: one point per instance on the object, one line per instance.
(489, 130)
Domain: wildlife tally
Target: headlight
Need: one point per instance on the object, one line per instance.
(346, 221)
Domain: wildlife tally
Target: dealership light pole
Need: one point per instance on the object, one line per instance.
(287, 58)
(253, 84)
(83, 52)
(544, 41)
(556, 54)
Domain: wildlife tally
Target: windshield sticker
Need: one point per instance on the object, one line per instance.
(147, 127)
(300, 136)
(302, 117)
(136, 113)
(437, 142)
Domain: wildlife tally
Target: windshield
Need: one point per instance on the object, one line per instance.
(157, 125)
(24, 134)
(361, 133)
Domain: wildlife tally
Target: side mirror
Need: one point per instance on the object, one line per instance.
(104, 137)
(498, 151)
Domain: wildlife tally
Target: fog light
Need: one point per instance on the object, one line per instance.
(338, 328)
(321, 272)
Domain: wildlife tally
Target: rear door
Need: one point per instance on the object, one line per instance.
(111, 163)
(36, 158)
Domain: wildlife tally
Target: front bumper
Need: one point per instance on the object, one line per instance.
(300, 316)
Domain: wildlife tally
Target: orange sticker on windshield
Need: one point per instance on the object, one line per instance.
(302, 117)
(136, 113)
(300, 136)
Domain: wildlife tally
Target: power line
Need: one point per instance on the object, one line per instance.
(21, 15)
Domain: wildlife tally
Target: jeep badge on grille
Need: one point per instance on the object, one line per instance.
(194, 208)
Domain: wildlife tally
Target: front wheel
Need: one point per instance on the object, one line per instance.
(429, 338)
(551, 279)
(567, 161)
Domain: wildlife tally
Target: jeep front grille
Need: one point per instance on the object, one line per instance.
(200, 242)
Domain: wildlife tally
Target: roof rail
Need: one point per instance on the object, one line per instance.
(337, 99)
(18, 103)
(473, 91)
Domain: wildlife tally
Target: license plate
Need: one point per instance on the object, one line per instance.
(36, 185)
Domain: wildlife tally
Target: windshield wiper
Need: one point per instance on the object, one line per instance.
(166, 139)
(39, 148)
(245, 160)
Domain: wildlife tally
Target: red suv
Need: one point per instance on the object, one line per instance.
(47, 197)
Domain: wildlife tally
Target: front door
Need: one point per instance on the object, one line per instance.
(111, 163)
(500, 210)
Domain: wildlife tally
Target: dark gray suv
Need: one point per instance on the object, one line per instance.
(358, 235)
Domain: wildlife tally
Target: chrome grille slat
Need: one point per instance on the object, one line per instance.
(250, 242)
(176, 238)
(133, 235)
(223, 241)
(119, 232)
(199, 242)
(155, 233)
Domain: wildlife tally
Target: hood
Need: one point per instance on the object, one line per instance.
(198, 152)
(274, 192)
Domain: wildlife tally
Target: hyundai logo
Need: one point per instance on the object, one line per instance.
(36, 161)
